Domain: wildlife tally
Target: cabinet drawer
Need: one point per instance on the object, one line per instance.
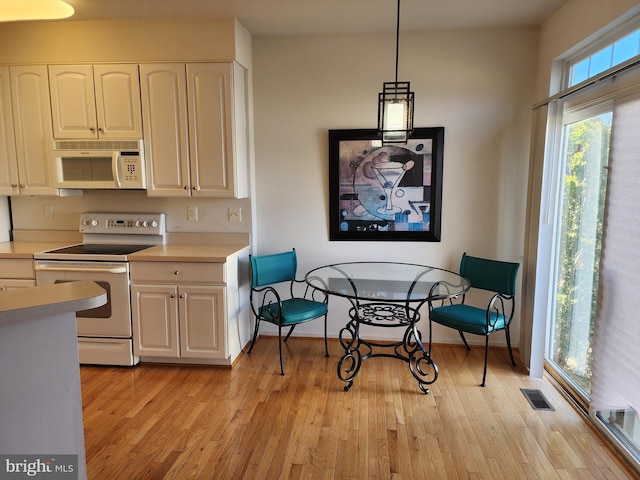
(177, 272)
(14, 268)
(10, 283)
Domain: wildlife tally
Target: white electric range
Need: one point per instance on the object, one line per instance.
(104, 333)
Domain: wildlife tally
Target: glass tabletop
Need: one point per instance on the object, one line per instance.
(387, 281)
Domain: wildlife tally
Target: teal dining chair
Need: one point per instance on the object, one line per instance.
(493, 276)
(267, 304)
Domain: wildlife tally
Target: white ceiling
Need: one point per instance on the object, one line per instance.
(290, 17)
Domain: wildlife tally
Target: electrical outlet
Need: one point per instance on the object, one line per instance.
(192, 213)
(48, 211)
(234, 214)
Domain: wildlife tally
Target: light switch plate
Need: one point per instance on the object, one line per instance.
(192, 213)
(234, 214)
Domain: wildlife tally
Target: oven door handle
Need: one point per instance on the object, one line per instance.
(55, 268)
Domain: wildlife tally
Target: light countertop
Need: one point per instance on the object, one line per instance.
(159, 253)
(48, 300)
(27, 249)
(187, 253)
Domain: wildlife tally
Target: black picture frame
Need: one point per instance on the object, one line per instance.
(390, 193)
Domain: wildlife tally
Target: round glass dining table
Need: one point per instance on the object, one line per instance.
(387, 295)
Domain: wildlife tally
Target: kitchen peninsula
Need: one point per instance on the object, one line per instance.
(39, 353)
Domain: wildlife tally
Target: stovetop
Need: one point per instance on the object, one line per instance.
(111, 237)
(99, 249)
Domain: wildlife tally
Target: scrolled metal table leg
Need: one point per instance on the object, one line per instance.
(349, 364)
(422, 367)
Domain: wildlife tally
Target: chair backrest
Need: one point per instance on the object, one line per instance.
(492, 275)
(274, 268)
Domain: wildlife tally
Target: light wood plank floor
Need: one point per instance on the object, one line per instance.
(179, 422)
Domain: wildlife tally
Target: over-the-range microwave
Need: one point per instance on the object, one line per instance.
(99, 164)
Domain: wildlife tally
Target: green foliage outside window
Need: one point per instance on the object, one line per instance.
(584, 184)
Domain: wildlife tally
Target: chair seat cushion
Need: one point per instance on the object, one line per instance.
(294, 310)
(468, 318)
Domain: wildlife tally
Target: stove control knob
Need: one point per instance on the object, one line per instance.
(94, 222)
(154, 224)
(145, 223)
(138, 223)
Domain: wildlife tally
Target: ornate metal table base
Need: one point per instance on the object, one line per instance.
(410, 349)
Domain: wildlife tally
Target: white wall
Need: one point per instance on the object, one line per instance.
(478, 84)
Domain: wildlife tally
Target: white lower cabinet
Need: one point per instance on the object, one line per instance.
(178, 321)
(16, 273)
(179, 310)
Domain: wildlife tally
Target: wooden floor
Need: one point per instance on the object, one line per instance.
(179, 422)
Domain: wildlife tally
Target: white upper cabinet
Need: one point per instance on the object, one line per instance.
(195, 129)
(164, 109)
(32, 125)
(8, 163)
(95, 101)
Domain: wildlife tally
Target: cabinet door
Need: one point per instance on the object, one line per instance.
(155, 320)
(117, 89)
(209, 91)
(164, 113)
(8, 162)
(73, 105)
(202, 322)
(32, 123)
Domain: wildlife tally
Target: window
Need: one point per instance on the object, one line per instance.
(615, 53)
(592, 332)
(579, 228)
(589, 224)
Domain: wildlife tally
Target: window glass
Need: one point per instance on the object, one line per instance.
(601, 61)
(615, 53)
(626, 48)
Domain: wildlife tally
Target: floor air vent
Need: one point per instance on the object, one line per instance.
(536, 399)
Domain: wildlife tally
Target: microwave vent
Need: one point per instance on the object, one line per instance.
(107, 145)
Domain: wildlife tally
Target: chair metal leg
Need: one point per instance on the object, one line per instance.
(290, 332)
(255, 336)
(464, 340)
(508, 334)
(326, 346)
(280, 348)
(486, 359)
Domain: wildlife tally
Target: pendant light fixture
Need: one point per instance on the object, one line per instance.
(21, 10)
(395, 105)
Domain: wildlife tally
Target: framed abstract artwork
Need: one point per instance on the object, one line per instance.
(391, 192)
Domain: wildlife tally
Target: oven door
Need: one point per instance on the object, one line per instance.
(112, 320)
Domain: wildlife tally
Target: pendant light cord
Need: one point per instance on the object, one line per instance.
(397, 38)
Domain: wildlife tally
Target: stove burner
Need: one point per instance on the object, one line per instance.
(100, 249)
